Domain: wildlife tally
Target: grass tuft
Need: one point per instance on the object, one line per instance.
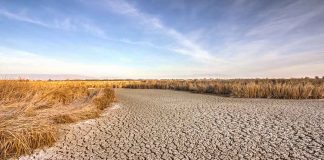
(105, 99)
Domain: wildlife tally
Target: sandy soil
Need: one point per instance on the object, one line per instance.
(162, 124)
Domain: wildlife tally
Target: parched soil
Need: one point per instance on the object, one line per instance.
(163, 124)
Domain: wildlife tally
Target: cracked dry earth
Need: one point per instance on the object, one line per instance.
(164, 124)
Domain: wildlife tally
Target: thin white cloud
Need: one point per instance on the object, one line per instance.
(184, 46)
(72, 24)
(62, 23)
(284, 19)
(281, 43)
(23, 18)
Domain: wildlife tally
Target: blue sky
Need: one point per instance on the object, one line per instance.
(163, 38)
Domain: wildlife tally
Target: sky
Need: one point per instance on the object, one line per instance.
(163, 38)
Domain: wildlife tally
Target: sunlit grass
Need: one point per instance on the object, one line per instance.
(243, 88)
(32, 111)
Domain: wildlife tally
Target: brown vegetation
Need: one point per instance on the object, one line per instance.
(31, 112)
(243, 88)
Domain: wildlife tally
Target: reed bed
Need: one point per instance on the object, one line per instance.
(31, 112)
(295, 88)
(305, 88)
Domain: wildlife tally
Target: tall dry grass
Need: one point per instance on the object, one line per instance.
(32, 111)
(243, 88)
(301, 88)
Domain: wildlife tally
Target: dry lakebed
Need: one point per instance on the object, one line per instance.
(165, 124)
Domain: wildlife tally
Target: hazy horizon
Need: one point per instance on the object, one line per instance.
(163, 39)
(84, 77)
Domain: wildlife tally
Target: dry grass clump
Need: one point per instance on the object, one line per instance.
(32, 111)
(18, 91)
(24, 137)
(15, 91)
(86, 113)
(63, 94)
(243, 88)
(105, 99)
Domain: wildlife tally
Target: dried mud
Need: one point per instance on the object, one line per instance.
(163, 124)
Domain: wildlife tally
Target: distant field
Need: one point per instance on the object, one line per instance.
(31, 111)
(303, 88)
(243, 88)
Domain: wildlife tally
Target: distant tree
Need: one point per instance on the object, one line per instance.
(316, 77)
(49, 80)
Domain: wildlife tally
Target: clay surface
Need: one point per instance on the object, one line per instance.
(163, 124)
